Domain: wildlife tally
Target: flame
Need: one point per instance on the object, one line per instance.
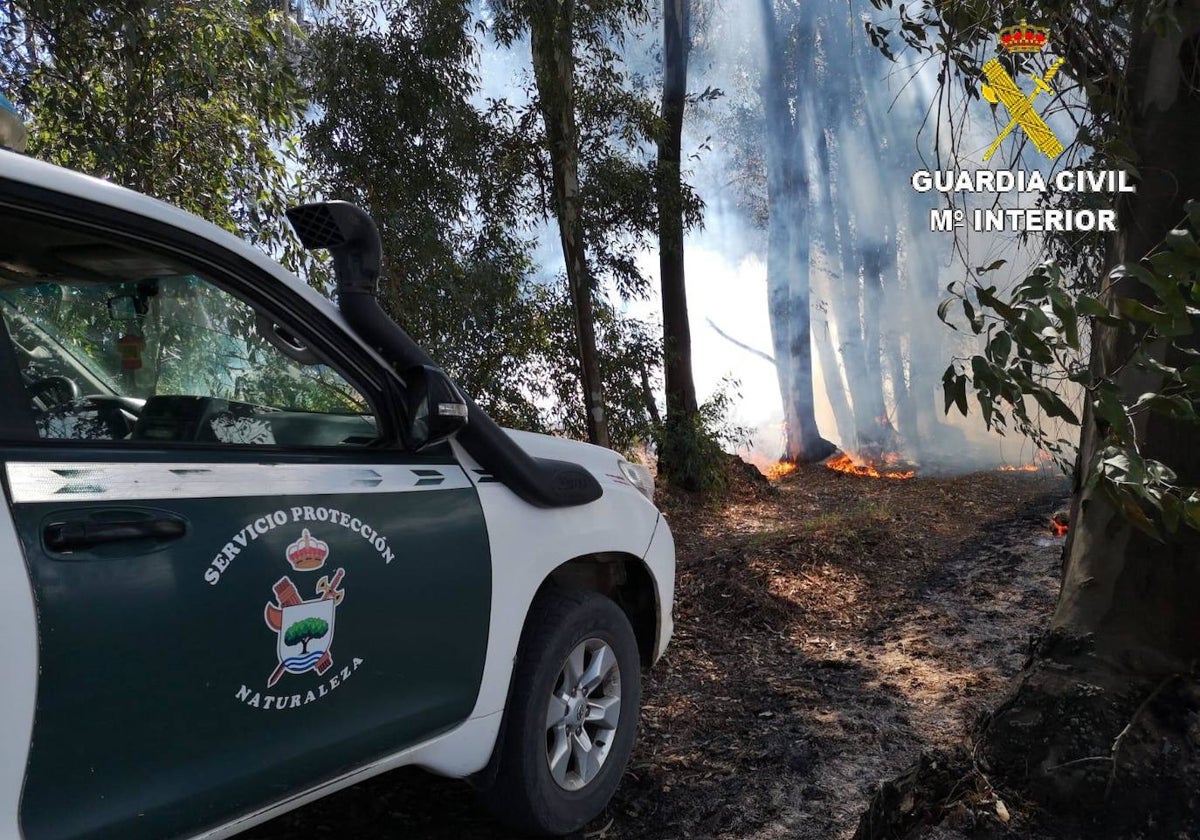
(1060, 522)
(778, 470)
(847, 464)
(768, 466)
(1042, 461)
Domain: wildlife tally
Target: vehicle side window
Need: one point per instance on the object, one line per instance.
(114, 344)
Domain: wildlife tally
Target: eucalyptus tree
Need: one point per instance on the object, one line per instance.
(785, 74)
(682, 433)
(551, 27)
(234, 110)
(1097, 724)
(394, 128)
(196, 104)
(459, 185)
(813, 141)
(596, 127)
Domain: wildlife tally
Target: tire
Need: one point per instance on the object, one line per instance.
(525, 792)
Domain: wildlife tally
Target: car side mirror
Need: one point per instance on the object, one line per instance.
(436, 408)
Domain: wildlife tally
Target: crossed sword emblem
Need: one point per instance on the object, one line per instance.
(1002, 88)
(288, 596)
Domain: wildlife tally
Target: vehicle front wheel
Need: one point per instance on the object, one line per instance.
(570, 724)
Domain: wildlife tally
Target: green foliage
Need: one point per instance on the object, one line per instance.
(630, 357)
(304, 631)
(693, 456)
(1033, 344)
(1094, 36)
(1139, 387)
(456, 189)
(195, 103)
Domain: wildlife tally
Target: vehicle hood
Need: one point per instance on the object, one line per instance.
(596, 459)
(600, 461)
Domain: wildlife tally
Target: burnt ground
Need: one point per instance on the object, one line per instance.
(828, 630)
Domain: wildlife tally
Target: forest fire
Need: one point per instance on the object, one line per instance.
(847, 464)
(773, 470)
(1060, 523)
(1042, 461)
(778, 470)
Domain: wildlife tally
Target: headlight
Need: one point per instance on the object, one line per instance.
(639, 476)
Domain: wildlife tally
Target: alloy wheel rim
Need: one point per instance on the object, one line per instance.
(582, 714)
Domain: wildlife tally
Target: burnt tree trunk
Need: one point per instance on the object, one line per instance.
(554, 74)
(1098, 722)
(682, 421)
(788, 249)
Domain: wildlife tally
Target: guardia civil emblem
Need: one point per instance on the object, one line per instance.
(1021, 46)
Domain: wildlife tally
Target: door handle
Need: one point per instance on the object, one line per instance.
(70, 536)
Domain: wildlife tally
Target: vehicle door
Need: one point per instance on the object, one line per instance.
(244, 582)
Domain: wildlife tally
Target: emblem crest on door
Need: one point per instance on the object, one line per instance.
(304, 629)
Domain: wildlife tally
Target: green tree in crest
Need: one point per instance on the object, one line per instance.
(304, 631)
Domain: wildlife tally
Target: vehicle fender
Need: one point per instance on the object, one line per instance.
(528, 543)
(660, 560)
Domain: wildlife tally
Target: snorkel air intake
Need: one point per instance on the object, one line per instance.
(350, 236)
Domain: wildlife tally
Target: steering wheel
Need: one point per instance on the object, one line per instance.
(53, 390)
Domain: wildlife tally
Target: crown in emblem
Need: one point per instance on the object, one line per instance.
(307, 553)
(1024, 38)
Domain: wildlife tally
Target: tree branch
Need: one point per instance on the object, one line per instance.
(735, 342)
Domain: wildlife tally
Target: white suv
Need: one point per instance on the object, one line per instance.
(256, 548)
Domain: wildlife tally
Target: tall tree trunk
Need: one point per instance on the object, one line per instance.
(788, 252)
(874, 255)
(846, 112)
(919, 270)
(682, 409)
(680, 386)
(554, 74)
(877, 223)
(906, 412)
(846, 298)
(1126, 632)
(828, 265)
(835, 387)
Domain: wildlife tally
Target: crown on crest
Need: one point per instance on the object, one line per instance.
(307, 553)
(1024, 38)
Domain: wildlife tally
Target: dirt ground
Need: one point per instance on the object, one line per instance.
(828, 630)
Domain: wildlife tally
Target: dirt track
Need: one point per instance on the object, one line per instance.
(826, 632)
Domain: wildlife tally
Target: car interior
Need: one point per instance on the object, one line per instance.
(115, 343)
